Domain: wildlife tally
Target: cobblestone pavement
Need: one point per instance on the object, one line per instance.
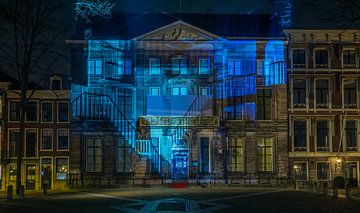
(194, 199)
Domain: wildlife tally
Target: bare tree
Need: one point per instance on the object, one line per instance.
(32, 48)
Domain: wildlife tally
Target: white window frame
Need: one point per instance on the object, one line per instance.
(52, 111)
(307, 94)
(57, 139)
(292, 59)
(36, 143)
(357, 125)
(55, 172)
(343, 94)
(307, 123)
(187, 65)
(342, 58)
(329, 123)
(52, 139)
(8, 142)
(37, 112)
(328, 60)
(9, 114)
(329, 105)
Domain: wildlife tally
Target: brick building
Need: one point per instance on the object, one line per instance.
(323, 82)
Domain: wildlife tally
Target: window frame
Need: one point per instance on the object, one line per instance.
(328, 104)
(329, 169)
(57, 139)
(180, 90)
(201, 155)
(348, 66)
(306, 94)
(294, 149)
(151, 89)
(41, 139)
(37, 112)
(55, 169)
(52, 111)
(356, 93)
(241, 155)
(263, 100)
(151, 66)
(87, 170)
(208, 66)
(58, 111)
(264, 148)
(319, 66)
(8, 143)
(180, 68)
(202, 88)
(36, 143)
(9, 111)
(294, 66)
(307, 170)
(357, 125)
(329, 136)
(95, 61)
(56, 78)
(125, 67)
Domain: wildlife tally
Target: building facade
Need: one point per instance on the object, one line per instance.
(323, 82)
(45, 161)
(180, 102)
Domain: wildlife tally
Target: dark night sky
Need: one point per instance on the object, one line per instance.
(192, 6)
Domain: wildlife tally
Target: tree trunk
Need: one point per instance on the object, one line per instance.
(20, 147)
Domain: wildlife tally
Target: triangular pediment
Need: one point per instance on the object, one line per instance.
(178, 31)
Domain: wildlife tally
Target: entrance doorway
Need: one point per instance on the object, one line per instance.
(351, 173)
(30, 176)
(179, 160)
(46, 172)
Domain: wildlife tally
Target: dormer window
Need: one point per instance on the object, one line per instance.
(55, 83)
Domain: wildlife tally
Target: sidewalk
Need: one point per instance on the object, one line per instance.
(37, 193)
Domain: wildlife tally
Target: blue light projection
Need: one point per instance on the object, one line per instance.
(229, 72)
(274, 67)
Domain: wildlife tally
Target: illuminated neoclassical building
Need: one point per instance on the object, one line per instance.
(159, 97)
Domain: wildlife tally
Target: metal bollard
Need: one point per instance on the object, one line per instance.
(9, 195)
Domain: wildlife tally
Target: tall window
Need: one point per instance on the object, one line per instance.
(46, 139)
(322, 135)
(204, 155)
(349, 58)
(204, 91)
(124, 67)
(62, 168)
(236, 155)
(179, 91)
(95, 67)
(14, 111)
(63, 139)
(14, 140)
(299, 93)
(123, 156)
(154, 66)
(298, 57)
(321, 59)
(263, 111)
(93, 155)
(350, 99)
(125, 102)
(265, 155)
(204, 66)
(180, 66)
(32, 111)
(154, 91)
(351, 135)
(300, 171)
(300, 137)
(234, 67)
(46, 112)
(322, 171)
(31, 143)
(322, 93)
(63, 111)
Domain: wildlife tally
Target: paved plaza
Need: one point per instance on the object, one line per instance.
(193, 199)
